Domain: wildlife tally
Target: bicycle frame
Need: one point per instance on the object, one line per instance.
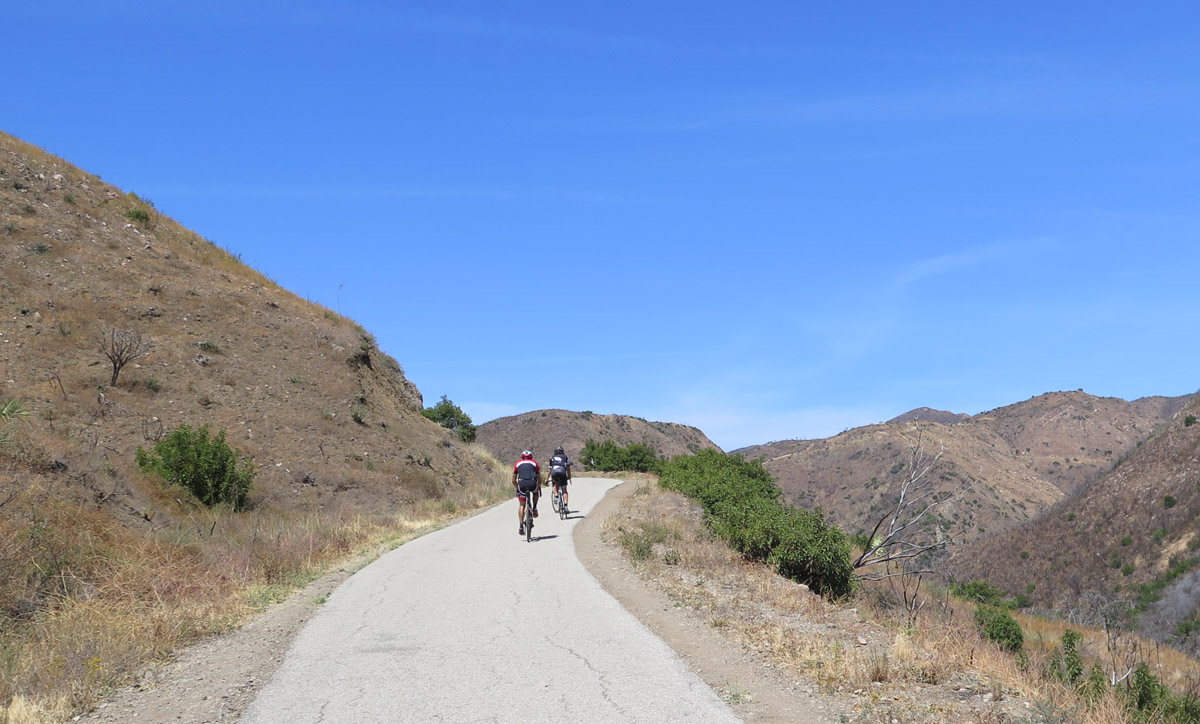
(529, 516)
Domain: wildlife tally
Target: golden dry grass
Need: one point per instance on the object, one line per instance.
(120, 601)
(936, 670)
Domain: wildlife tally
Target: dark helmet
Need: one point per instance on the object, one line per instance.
(527, 455)
(558, 450)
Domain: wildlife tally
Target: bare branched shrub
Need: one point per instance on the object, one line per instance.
(122, 346)
(892, 537)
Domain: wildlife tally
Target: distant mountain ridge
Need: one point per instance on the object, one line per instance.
(1020, 459)
(1091, 551)
(541, 430)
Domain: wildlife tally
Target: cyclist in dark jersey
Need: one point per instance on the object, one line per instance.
(559, 467)
(527, 479)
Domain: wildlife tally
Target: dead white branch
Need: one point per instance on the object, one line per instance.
(920, 494)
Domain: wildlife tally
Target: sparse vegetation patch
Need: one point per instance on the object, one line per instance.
(213, 471)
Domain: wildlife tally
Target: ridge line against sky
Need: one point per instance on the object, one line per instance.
(774, 223)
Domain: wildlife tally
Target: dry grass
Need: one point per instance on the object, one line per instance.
(116, 601)
(936, 670)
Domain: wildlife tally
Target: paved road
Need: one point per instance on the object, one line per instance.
(473, 624)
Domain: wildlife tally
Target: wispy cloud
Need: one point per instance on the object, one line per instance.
(365, 193)
(358, 17)
(375, 17)
(1059, 95)
(506, 360)
(953, 263)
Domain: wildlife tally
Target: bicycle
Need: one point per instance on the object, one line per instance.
(559, 506)
(529, 517)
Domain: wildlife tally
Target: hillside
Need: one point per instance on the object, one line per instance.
(334, 427)
(1019, 459)
(1096, 550)
(541, 430)
(305, 391)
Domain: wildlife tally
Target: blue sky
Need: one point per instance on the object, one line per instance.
(769, 220)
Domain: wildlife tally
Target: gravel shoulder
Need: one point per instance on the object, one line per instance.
(216, 680)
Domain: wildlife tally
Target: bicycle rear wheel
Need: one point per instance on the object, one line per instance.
(529, 519)
(562, 507)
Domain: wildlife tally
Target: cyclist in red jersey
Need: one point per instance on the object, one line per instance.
(527, 479)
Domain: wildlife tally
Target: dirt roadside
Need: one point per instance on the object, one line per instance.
(755, 690)
(214, 681)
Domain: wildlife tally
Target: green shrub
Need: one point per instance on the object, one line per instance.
(999, 627)
(11, 410)
(138, 215)
(639, 544)
(151, 384)
(1145, 691)
(1169, 501)
(609, 456)
(450, 416)
(1188, 626)
(1096, 684)
(1189, 421)
(741, 504)
(981, 591)
(1127, 540)
(1072, 661)
(214, 472)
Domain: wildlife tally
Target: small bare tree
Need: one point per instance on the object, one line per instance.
(891, 540)
(122, 346)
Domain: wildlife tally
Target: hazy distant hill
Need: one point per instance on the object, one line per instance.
(307, 392)
(1020, 459)
(927, 414)
(1124, 530)
(541, 430)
